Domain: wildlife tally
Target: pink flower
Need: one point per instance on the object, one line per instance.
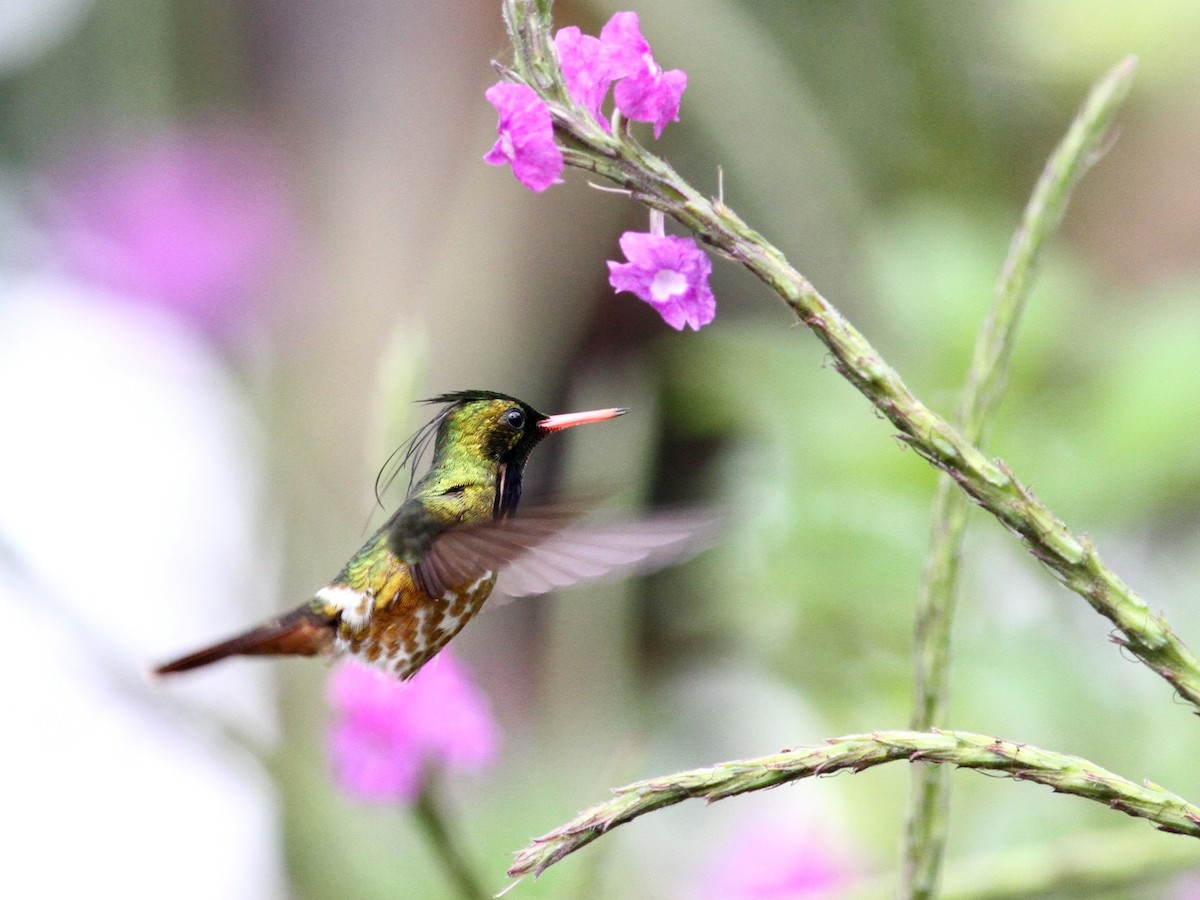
(769, 860)
(587, 67)
(652, 97)
(590, 66)
(644, 92)
(669, 273)
(526, 139)
(386, 732)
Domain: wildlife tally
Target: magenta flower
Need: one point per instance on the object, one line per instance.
(192, 220)
(769, 860)
(386, 732)
(669, 273)
(587, 67)
(645, 93)
(590, 66)
(526, 139)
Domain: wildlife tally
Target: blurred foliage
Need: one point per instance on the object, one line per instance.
(818, 572)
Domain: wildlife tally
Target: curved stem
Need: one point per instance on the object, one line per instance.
(1060, 772)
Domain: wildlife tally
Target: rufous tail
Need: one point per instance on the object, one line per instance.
(299, 633)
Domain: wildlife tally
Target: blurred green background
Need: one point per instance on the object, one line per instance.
(887, 148)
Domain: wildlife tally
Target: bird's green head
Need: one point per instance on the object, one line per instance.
(484, 435)
(498, 429)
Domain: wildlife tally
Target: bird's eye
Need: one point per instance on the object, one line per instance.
(514, 419)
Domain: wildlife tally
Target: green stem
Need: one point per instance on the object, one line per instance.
(1060, 772)
(1070, 558)
(925, 835)
(433, 823)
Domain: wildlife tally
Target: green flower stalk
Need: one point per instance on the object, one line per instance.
(926, 832)
(1069, 557)
(1060, 772)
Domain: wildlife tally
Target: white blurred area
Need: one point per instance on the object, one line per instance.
(29, 29)
(129, 493)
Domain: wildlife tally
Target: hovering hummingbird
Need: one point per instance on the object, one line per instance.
(427, 571)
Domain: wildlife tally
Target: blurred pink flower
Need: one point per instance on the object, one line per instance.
(526, 139)
(1186, 887)
(771, 860)
(192, 220)
(669, 273)
(386, 732)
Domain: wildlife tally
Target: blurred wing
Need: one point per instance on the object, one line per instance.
(622, 548)
(461, 555)
(550, 548)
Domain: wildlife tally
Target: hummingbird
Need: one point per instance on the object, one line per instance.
(429, 568)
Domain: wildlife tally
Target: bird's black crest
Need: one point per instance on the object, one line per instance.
(411, 452)
(456, 397)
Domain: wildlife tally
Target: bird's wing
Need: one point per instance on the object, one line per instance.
(586, 550)
(550, 547)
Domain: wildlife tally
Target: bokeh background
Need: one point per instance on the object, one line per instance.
(240, 238)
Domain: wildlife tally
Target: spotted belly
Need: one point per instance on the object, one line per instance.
(401, 635)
